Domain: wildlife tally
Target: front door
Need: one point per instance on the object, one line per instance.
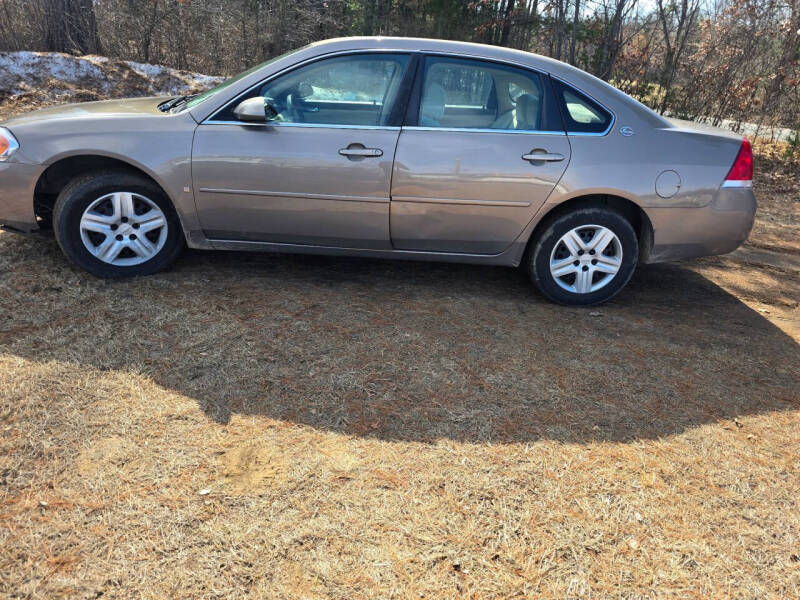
(318, 174)
(486, 150)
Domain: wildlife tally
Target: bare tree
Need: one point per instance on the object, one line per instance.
(789, 56)
(575, 21)
(507, 11)
(70, 26)
(614, 15)
(677, 18)
(735, 59)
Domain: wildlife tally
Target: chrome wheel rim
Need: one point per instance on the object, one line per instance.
(123, 229)
(586, 259)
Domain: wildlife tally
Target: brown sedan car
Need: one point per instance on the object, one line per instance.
(385, 147)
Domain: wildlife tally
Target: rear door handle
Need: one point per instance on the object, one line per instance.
(542, 155)
(350, 151)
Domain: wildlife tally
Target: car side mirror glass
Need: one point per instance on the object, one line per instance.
(270, 112)
(255, 110)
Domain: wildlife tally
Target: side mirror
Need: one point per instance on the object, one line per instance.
(255, 110)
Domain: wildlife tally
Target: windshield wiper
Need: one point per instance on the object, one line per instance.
(174, 102)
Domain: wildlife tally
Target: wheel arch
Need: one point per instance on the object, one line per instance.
(63, 169)
(632, 211)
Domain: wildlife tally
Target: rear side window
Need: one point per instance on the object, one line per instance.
(458, 93)
(581, 113)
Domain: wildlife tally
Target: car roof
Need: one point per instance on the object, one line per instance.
(429, 45)
(449, 46)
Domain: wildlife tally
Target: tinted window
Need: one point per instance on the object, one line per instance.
(463, 93)
(581, 113)
(357, 89)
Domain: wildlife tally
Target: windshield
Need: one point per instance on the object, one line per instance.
(229, 82)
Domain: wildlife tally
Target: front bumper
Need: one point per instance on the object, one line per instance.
(717, 228)
(17, 182)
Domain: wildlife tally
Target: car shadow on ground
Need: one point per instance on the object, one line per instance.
(409, 351)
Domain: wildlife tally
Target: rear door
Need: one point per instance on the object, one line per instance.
(483, 148)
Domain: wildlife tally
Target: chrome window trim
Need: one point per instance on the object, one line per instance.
(603, 106)
(244, 123)
(302, 64)
(308, 125)
(478, 130)
(592, 134)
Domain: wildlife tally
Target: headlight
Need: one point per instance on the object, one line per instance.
(8, 144)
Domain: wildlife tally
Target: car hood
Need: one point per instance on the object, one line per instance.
(92, 110)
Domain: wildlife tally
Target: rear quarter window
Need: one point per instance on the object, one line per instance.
(581, 113)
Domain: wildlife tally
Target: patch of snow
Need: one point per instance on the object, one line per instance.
(28, 67)
(148, 70)
(206, 80)
(62, 77)
(95, 58)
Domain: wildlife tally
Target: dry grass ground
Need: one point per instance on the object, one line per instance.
(303, 427)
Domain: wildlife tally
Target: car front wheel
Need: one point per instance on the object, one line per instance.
(117, 224)
(583, 257)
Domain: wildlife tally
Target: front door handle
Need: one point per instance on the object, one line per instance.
(359, 150)
(542, 155)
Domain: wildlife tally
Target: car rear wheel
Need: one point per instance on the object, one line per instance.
(117, 224)
(583, 257)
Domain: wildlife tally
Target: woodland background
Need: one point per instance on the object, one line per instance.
(734, 60)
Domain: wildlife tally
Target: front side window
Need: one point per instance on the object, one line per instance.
(472, 94)
(200, 98)
(356, 89)
(581, 113)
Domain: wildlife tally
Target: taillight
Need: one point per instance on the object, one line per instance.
(742, 170)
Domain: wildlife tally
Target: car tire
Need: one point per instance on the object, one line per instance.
(116, 224)
(583, 257)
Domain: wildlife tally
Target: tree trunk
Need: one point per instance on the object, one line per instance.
(611, 42)
(674, 47)
(70, 26)
(575, 21)
(506, 30)
(560, 27)
(789, 53)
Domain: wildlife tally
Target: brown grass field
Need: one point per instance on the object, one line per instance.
(271, 426)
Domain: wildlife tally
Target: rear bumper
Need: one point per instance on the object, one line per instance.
(717, 228)
(17, 182)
